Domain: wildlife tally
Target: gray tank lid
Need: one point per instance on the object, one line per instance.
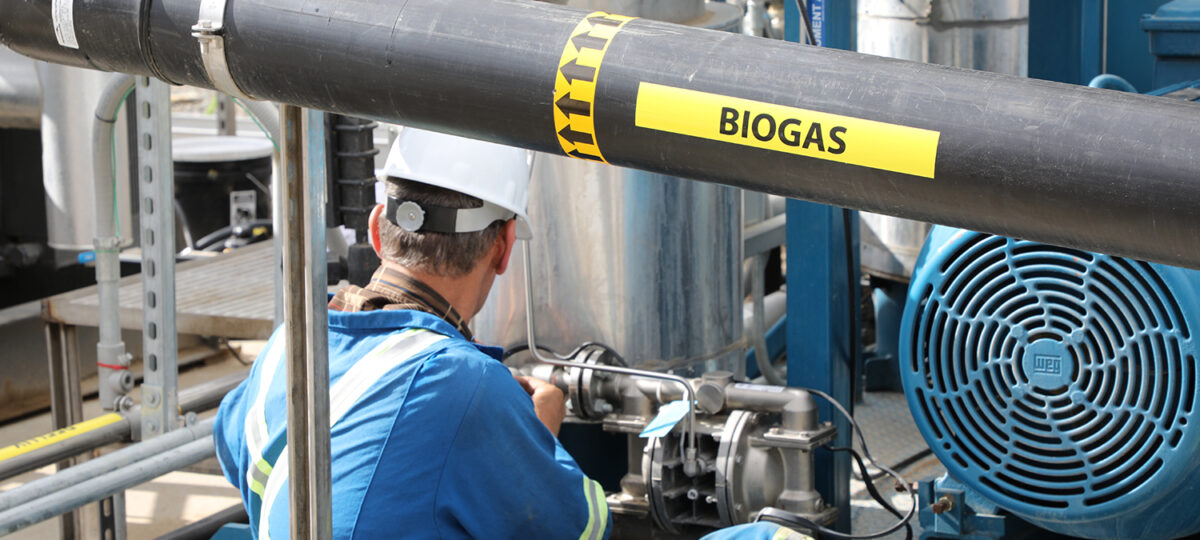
(220, 149)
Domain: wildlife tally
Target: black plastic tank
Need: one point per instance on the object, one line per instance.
(222, 182)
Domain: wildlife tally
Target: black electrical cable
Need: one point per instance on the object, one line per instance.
(879, 498)
(900, 465)
(211, 239)
(803, 7)
(862, 443)
(610, 350)
(234, 352)
(525, 347)
(521, 348)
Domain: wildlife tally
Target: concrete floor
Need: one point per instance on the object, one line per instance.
(891, 437)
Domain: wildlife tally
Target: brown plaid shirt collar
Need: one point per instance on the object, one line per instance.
(392, 289)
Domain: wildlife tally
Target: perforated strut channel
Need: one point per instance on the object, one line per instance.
(1058, 381)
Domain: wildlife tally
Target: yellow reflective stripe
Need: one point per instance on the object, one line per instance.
(257, 488)
(263, 466)
(73, 430)
(785, 533)
(591, 505)
(597, 510)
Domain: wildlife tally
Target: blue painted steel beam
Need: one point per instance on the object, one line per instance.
(1091, 40)
(818, 330)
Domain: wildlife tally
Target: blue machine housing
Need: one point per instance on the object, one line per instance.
(1057, 383)
(1175, 41)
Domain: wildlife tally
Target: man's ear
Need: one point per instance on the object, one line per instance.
(373, 229)
(506, 240)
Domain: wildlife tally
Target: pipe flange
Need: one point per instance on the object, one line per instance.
(209, 30)
(585, 384)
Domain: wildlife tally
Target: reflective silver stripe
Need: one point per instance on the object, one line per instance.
(597, 510)
(351, 386)
(256, 419)
(394, 350)
(601, 509)
(255, 429)
(274, 484)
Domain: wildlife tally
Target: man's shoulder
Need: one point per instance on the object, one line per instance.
(462, 358)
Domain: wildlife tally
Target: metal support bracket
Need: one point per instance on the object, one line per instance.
(209, 30)
(804, 440)
(156, 188)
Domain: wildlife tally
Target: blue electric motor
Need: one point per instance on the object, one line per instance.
(1057, 383)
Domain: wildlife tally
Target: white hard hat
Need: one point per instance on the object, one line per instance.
(496, 174)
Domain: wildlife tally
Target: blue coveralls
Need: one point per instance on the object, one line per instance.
(431, 438)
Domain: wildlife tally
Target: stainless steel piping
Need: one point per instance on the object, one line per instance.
(199, 398)
(690, 465)
(121, 459)
(89, 490)
(758, 333)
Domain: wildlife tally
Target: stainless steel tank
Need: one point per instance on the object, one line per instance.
(987, 35)
(69, 97)
(20, 92)
(649, 265)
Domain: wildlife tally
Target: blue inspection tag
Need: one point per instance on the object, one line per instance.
(668, 415)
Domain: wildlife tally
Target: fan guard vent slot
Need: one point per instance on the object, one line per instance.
(1055, 377)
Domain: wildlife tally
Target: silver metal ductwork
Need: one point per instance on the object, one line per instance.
(987, 35)
(20, 92)
(647, 264)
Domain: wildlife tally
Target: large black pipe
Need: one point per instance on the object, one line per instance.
(1081, 167)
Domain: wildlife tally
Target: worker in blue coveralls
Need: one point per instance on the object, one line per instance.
(432, 437)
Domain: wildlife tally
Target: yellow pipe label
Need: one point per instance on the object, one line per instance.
(791, 130)
(575, 84)
(63, 434)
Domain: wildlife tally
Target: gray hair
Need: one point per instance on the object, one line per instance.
(441, 254)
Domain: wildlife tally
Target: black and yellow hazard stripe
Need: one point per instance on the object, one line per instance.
(57, 436)
(575, 84)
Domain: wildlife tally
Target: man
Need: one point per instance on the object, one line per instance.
(431, 435)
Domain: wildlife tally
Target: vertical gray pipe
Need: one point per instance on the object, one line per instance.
(316, 299)
(111, 359)
(799, 489)
(307, 379)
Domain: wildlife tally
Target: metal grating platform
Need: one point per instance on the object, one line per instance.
(229, 295)
(893, 438)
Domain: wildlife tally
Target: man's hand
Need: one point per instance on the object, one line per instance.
(549, 403)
